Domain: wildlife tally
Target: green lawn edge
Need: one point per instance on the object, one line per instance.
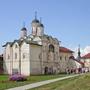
(6, 84)
(81, 82)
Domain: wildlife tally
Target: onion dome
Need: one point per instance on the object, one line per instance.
(41, 25)
(23, 32)
(23, 29)
(35, 21)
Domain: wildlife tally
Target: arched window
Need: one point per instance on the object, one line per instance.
(60, 57)
(51, 48)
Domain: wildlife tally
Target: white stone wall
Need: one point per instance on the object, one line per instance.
(32, 59)
(15, 58)
(50, 59)
(36, 60)
(7, 60)
(14, 62)
(25, 59)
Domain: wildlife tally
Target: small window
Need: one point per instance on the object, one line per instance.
(60, 57)
(51, 48)
(23, 55)
(15, 55)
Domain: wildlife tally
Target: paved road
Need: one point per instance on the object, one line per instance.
(37, 84)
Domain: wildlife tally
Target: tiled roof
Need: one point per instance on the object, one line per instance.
(7, 44)
(65, 50)
(73, 58)
(20, 41)
(79, 62)
(86, 56)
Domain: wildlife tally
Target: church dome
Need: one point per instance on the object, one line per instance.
(41, 25)
(35, 21)
(23, 28)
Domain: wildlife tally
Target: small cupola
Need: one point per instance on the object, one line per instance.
(41, 25)
(37, 27)
(35, 23)
(23, 32)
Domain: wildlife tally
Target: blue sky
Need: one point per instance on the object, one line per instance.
(67, 20)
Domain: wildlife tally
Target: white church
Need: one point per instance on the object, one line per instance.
(36, 53)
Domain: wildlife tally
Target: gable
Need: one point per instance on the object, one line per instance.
(24, 45)
(37, 39)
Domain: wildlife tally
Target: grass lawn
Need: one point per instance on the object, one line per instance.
(5, 83)
(76, 83)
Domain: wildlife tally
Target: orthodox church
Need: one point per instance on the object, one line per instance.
(32, 54)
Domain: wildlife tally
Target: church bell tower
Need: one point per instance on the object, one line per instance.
(37, 27)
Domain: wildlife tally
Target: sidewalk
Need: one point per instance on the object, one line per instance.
(37, 84)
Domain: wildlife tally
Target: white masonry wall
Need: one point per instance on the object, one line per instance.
(25, 59)
(36, 60)
(6, 64)
(15, 58)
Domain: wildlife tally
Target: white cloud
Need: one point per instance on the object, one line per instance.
(87, 49)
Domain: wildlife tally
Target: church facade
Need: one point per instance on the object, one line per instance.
(32, 54)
